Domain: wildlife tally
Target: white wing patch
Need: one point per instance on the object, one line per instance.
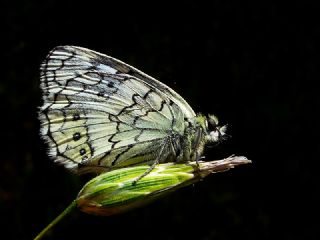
(101, 113)
(106, 68)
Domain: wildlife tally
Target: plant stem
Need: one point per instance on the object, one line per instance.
(65, 212)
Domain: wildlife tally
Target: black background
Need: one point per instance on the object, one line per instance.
(255, 65)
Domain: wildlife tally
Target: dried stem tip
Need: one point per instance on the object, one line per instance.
(113, 192)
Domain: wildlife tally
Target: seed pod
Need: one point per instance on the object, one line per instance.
(114, 192)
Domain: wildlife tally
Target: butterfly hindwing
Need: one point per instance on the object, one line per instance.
(100, 112)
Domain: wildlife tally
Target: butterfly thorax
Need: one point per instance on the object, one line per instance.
(193, 140)
(197, 135)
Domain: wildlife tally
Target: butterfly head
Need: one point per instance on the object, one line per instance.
(216, 133)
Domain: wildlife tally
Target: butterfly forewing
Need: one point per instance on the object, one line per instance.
(100, 112)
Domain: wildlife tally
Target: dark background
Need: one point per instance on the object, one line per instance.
(255, 65)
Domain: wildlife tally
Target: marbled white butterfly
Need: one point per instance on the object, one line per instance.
(100, 114)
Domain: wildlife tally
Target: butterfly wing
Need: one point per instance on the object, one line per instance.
(101, 112)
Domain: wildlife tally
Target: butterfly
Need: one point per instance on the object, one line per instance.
(100, 114)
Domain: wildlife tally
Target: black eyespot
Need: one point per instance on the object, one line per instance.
(110, 85)
(76, 116)
(101, 93)
(82, 151)
(76, 136)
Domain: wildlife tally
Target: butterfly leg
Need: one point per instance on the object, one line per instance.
(198, 158)
(154, 164)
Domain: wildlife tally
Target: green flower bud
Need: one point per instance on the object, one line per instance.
(114, 192)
